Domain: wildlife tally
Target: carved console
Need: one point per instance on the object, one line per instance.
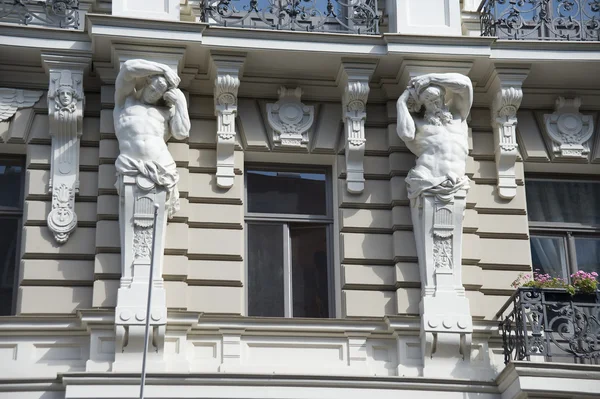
(290, 119)
(228, 70)
(355, 84)
(138, 195)
(568, 132)
(65, 115)
(446, 324)
(507, 98)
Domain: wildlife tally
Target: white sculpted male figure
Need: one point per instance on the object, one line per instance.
(438, 137)
(432, 115)
(149, 108)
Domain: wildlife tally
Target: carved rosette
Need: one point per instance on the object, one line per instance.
(354, 105)
(290, 119)
(65, 111)
(504, 122)
(227, 83)
(568, 131)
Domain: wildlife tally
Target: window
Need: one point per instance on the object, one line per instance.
(11, 211)
(564, 224)
(289, 229)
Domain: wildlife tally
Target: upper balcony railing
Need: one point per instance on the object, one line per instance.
(549, 324)
(53, 13)
(576, 20)
(335, 16)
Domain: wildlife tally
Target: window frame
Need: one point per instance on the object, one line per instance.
(569, 232)
(285, 219)
(16, 213)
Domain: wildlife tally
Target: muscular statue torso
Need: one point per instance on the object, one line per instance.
(142, 130)
(441, 150)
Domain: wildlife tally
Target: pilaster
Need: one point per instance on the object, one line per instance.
(507, 94)
(227, 71)
(354, 79)
(66, 102)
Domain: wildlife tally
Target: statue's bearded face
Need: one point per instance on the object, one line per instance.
(432, 98)
(154, 90)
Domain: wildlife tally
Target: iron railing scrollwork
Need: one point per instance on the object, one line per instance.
(551, 322)
(53, 13)
(339, 16)
(541, 19)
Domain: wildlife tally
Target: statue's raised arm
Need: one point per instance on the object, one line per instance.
(132, 70)
(459, 90)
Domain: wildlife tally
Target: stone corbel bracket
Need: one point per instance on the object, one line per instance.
(290, 119)
(354, 78)
(227, 71)
(12, 100)
(507, 95)
(568, 131)
(66, 102)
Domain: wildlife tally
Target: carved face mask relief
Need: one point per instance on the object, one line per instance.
(65, 97)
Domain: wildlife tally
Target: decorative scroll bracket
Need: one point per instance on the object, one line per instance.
(354, 79)
(227, 71)
(290, 119)
(506, 101)
(567, 131)
(66, 102)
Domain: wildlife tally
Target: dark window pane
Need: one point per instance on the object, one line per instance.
(588, 254)
(265, 270)
(563, 201)
(548, 254)
(8, 250)
(310, 288)
(286, 192)
(11, 177)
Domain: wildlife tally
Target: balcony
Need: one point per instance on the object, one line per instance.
(551, 325)
(571, 20)
(334, 16)
(51, 13)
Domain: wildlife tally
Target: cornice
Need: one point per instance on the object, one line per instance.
(44, 38)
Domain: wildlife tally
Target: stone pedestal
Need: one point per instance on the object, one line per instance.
(138, 195)
(446, 324)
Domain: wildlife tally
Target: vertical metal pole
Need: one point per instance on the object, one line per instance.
(148, 305)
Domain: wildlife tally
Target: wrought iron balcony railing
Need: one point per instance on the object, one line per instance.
(339, 16)
(550, 322)
(541, 19)
(54, 13)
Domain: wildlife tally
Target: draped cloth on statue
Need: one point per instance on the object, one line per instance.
(162, 175)
(442, 186)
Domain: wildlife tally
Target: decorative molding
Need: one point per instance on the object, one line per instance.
(227, 70)
(65, 113)
(507, 96)
(290, 119)
(12, 100)
(355, 83)
(567, 131)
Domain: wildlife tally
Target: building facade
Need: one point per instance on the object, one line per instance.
(298, 249)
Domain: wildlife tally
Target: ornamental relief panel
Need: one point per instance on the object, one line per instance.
(568, 132)
(289, 119)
